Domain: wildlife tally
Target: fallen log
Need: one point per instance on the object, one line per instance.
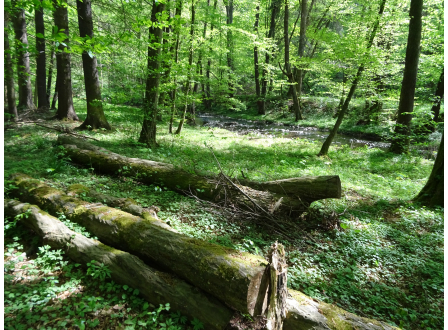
(126, 204)
(298, 194)
(155, 286)
(230, 275)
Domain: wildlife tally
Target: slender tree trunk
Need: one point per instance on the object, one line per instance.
(65, 109)
(438, 100)
(95, 114)
(432, 192)
(55, 95)
(9, 74)
(178, 12)
(41, 70)
(275, 9)
(230, 63)
(148, 132)
(401, 140)
(288, 71)
(209, 64)
(256, 68)
(50, 76)
(23, 60)
(190, 63)
(326, 145)
(302, 40)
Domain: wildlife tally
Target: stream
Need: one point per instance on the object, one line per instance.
(271, 129)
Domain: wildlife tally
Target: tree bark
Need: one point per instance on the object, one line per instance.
(432, 192)
(55, 95)
(231, 276)
(438, 100)
(95, 115)
(288, 71)
(149, 126)
(41, 70)
(155, 286)
(402, 132)
(65, 110)
(209, 64)
(23, 60)
(9, 74)
(275, 9)
(190, 64)
(230, 51)
(302, 40)
(326, 145)
(294, 195)
(256, 69)
(50, 77)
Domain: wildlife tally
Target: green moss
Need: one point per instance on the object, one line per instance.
(78, 188)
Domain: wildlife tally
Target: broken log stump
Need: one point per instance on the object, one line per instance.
(155, 286)
(232, 276)
(291, 201)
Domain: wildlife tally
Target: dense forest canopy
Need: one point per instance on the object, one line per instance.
(306, 130)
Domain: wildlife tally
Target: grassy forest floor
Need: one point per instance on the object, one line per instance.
(377, 254)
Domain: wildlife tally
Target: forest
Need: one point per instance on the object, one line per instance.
(223, 164)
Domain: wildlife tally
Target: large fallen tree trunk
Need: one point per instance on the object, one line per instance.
(292, 200)
(232, 276)
(155, 286)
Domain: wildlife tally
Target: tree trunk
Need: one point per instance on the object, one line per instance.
(95, 115)
(155, 286)
(275, 9)
(178, 12)
(41, 70)
(23, 60)
(227, 274)
(65, 109)
(230, 46)
(288, 71)
(438, 100)
(432, 192)
(190, 64)
(292, 195)
(302, 41)
(55, 95)
(326, 145)
(402, 133)
(50, 76)
(209, 64)
(9, 74)
(256, 69)
(149, 126)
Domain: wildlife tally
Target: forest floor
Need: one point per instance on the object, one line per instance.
(375, 254)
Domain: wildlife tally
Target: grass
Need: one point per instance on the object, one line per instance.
(384, 260)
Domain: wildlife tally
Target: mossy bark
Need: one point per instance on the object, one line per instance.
(155, 286)
(294, 198)
(228, 274)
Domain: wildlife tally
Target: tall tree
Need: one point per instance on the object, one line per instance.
(41, 70)
(150, 108)
(23, 58)
(65, 109)
(288, 71)
(437, 101)
(190, 64)
(402, 133)
(208, 103)
(256, 65)
(50, 75)
(326, 145)
(230, 46)
(302, 40)
(95, 114)
(9, 74)
(432, 192)
(275, 10)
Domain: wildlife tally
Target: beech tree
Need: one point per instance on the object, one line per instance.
(65, 110)
(95, 114)
(9, 74)
(400, 143)
(23, 57)
(42, 101)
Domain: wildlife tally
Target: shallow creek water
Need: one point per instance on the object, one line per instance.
(272, 129)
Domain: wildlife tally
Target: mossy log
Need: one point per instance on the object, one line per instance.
(230, 275)
(126, 204)
(155, 286)
(292, 200)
